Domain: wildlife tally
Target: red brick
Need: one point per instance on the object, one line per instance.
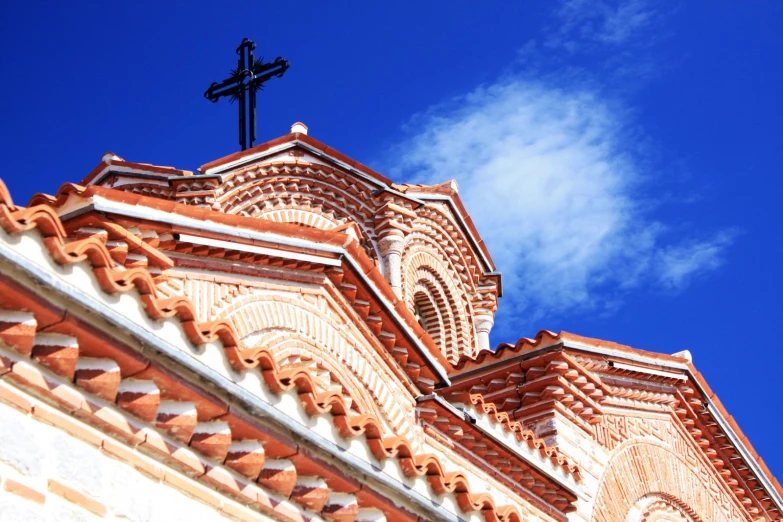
(193, 489)
(18, 333)
(59, 359)
(27, 373)
(99, 381)
(23, 491)
(68, 397)
(77, 497)
(138, 461)
(68, 424)
(16, 397)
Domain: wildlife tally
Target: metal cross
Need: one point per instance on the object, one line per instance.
(242, 84)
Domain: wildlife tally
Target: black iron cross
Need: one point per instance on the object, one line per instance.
(242, 84)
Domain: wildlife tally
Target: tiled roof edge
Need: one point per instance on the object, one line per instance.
(42, 217)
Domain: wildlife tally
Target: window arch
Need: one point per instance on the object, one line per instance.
(426, 310)
(438, 302)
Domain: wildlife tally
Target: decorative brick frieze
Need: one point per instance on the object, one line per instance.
(393, 217)
(340, 507)
(412, 463)
(279, 476)
(479, 448)
(212, 439)
(646, 404)
(534, 391)
(311, 492)
(320, 196)
(656, 508)
(311, 195)
(432, 291)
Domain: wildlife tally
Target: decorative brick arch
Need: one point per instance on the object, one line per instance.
(640, 470)
(428, 312)
(291, 348)
(257, 317)
(308, 218)
(316, 189)
(433, 223)
(448, 319)
(435, 305)
(658, 508)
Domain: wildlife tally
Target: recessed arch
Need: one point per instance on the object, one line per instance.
(640, 469)
(435, 223)
(291, 348)
(428, 314)
(316, 189)
(271, 320)
(659, 508)
(428, 284)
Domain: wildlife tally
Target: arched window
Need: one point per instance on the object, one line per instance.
(427, 314)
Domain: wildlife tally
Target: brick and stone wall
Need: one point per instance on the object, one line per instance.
(48, 474)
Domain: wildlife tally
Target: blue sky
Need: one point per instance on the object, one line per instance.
(622, 158)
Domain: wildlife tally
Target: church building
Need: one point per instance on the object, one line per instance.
(287, 335)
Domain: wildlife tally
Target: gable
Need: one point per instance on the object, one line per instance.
(655, 438)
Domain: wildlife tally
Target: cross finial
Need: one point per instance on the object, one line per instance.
(243, 83)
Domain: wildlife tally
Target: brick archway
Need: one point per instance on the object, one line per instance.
(642, 470)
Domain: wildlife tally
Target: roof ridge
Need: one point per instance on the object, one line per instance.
(503, 348)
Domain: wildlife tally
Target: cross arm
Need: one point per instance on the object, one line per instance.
(263, 72)
(227, 87)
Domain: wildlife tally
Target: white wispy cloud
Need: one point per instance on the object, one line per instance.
(583, 22)
(552, 180)
(553, 173)
(678, 264)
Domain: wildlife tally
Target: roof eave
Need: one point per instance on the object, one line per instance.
(101, 204)
(717, 410)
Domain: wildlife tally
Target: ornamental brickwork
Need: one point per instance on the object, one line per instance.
(288, 335)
